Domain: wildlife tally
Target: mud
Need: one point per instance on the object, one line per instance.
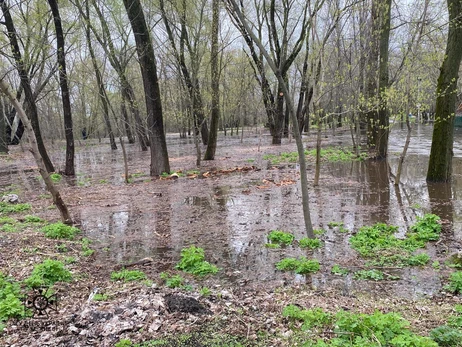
(230, 215)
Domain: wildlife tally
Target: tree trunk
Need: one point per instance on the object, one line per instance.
(101, 90)
(67, 114)
(65, 216)
(147, 61)
(383, 124)
(126, 120)
(31, 106)
(215, 85)
(3, 132)
(440, 164)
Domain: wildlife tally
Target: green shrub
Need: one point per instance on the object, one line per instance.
(310, 318)
(33, 219)
(13, 208)
(193, 261)
(309, 243)
(281, 237)
(418, 259)
(10, 299)
(455, 283)
(60, 230)
(128, 275)
(447, 336)
(172, 281)
(426, 228)
(48, 273)
(301, 266)
(373, 274)
(456, 319)
(337, 270)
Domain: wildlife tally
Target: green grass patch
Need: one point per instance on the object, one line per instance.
(193, 261)
(455, 283)
(281, 238)
(101, 297)
(33, 219)
(172, 281)
(356, 329)
(128, 275)
(309, 243)
(48, 273)
(330, 154)
(300, 266)
(373, 274)
(7, 220)
(13, 208)
(60, 230)
(337, 270)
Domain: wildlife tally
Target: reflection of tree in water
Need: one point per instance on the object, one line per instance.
(378, 179)
(440, 195)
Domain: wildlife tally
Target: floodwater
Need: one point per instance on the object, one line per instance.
(230, 215)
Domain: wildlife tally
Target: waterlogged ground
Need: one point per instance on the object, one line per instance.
(231, 205)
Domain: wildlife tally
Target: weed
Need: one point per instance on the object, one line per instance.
(337, 270)
(426, 228)
(272, 245)
(456, 319)
(100, 297)
(300, 266)
(33, 219)
(418, 259)
(55, 177)
(128, 275)
(48, 273)
(455, 283)
(310, 318)
(103, 181)
(13, 208)
(9, 228)
(319, 231)
(250, 160)
(334, 224)
(174, 281)
(10, 299)
(70, 260)
(447, 336)
(86, 251)
(416, 206)
(205, 291)
(193, 261)
(436, 265)
(61, 248)
(138, 174)
(7, 220)
(373, 274)
(124, 343)
(309, 243)
(45, 196)
(60, 230)
(281, 237)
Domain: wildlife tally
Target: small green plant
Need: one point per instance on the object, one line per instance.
(455, 320)
(55, 177)
(60, 230)
(61, 248)
(13, 208)
(416, 206)
(172, 281)
(86, 250)
(205, 291)
(310, 318)
(272, 245)
(427, 228)
(418, 259)
(337, 270)
(436, 265)
(279, 237)
(70, 260)
(7, 220)
(447, 336)
(373, 274)
(48, 273)
(103, 181)
(309, 243)
(193, 261)
(124, 343)
(10, 299)
(100, 297)
(33, 219)
(128, 275)
(300, 266)
(334, 224)
(455, 283)
(9, 228)
(319, 231)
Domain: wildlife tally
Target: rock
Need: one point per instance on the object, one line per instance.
(10, 198)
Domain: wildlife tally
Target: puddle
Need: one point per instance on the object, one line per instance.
(231, 215)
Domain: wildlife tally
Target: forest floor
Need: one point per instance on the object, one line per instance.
(227, 207)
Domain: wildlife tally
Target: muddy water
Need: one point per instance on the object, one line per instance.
(231, 215)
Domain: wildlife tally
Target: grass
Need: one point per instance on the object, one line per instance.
(128, 275)
(337, 270)
(300, 266)
(280, 238)
(374, 274)
(7, 208)
(48, 273)
(60, 230)
(193, 261)
(455, 283)
(309, 243)
(330, 154)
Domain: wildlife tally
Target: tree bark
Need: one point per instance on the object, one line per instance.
(65, 216)
(31, 106)
(147, 61)
(440, 163)
(3, 132)
(67, 113)
(215, 85)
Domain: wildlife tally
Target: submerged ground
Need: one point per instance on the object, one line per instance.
(227, 207)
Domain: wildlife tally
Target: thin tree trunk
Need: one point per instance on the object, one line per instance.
(67, 113)
(126, 121)
(440, 163)
(3, 133)
(147, 61)
(65, 216)
(215, 85)
(31, 106)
